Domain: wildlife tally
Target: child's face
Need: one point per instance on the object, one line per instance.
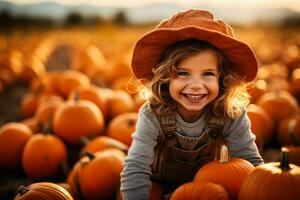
(195, 85)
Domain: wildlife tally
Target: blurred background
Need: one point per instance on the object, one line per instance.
(53, 52)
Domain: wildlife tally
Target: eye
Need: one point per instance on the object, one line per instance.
(209, 74)
(182, 73)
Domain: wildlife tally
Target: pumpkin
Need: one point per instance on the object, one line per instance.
(13, 137)
(273, 103)
(272, 180)
(103, 142)
(43, 156)
(230, 173)
(120, 102)
(71, 80)
(200, 191)
(261, 124)
(97, 176)
(122, 127)
(288, 131)
(44, 191)
(76, 119)
(93, 94)
(47, 108)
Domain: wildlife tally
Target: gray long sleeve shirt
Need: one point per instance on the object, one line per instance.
(135, 177)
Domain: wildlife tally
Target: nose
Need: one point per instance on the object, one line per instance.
(196, 82)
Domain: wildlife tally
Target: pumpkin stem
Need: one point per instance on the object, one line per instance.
(89, 154)
(285, 164)
(224, 154)
(22, 190)
(131, 122)
(84, 140)
(76, 96)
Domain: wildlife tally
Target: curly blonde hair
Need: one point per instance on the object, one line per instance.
(232, 98)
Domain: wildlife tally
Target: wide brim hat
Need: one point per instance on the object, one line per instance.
(193, 24)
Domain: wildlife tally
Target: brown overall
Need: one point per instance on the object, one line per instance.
(177, 158)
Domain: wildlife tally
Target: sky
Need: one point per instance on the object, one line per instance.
(292, 4)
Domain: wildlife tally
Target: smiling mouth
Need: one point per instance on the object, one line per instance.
(194, 97)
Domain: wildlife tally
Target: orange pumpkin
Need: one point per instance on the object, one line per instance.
(120, 102)
(44, 191)
(200, 191)
(43, 156)
(230, 173)
(103, 142)
(76, 119)
(288, 132)
(273, 103)
(273, 180)
(122, 127)
(47, 108)
(97, 176)
(93, 94)
(261, 124)
(13, 137)
(71, 80)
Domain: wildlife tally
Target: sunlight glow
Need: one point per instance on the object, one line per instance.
(291, 4)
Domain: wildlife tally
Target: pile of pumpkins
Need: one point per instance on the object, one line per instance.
(74, 109)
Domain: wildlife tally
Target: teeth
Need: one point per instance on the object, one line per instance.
(192, 97)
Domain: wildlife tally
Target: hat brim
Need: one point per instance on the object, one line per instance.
(149, 48)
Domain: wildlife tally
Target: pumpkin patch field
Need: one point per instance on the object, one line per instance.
(69, 104)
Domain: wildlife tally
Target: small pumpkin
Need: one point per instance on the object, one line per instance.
(13, 137)
(93, 94)
(200, 191)
(120, 102)
(44, 191)
(76, 119)
(272, 180)
(122, 127)
(43, 156)
(230, 173)
(97, 176)
(71, 80)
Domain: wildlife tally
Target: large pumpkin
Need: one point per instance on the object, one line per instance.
(43, 156)
(97, 176)
(76, 119)
(43, 191)
(13, 137)
(230, 173)
(122, 127)
(273, 180)
(200, 191)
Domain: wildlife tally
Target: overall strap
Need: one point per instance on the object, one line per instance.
(168, 125)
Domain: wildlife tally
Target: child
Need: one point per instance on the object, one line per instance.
(196, 73)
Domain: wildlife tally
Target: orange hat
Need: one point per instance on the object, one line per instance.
(192, 24)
